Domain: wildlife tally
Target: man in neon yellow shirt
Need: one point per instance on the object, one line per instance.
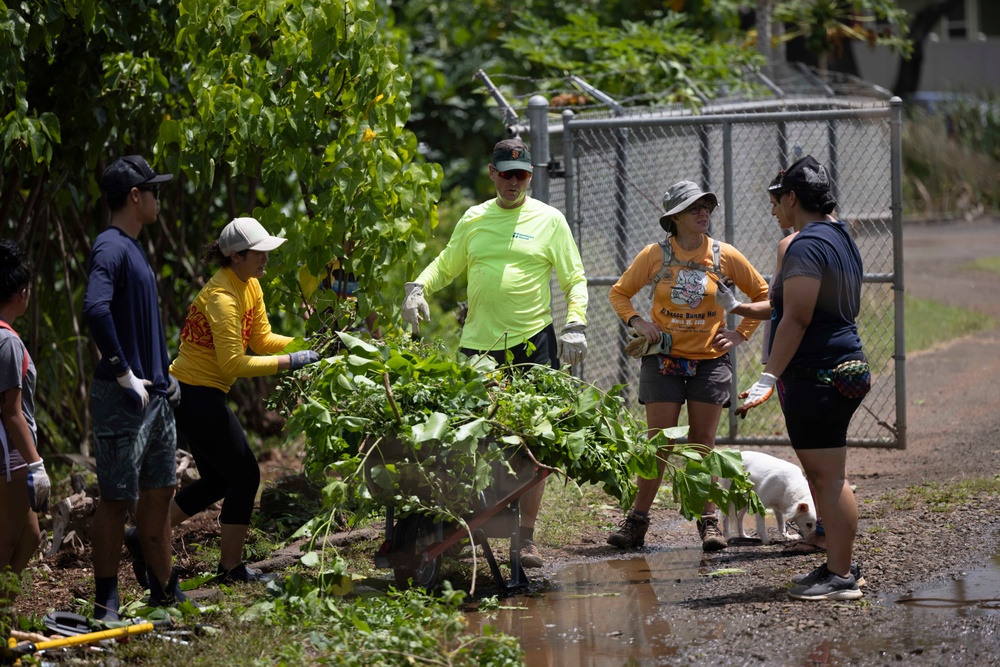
(509, 247)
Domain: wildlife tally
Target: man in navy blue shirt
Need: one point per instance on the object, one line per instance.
(131, 396)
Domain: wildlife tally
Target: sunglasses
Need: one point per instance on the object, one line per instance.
(519, 174)
(155, 189)
(698, 207)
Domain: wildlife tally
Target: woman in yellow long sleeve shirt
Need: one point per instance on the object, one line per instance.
(226, 318)
(696, 369)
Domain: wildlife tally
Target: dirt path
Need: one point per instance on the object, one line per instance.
(953, 405)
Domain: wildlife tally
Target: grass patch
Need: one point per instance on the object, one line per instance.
(569, 509)
(991, 264)
(938, 497)
(929, 323)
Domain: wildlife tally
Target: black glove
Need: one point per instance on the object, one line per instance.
(173, 392)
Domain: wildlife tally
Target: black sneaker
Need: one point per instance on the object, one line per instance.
(712, 538)
(134, 547)
(829, 587)
(241, 574)
(169, 596)
(631, 531)
(820, 572)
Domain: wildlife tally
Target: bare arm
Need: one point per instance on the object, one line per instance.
(800, 295)
(16, 425)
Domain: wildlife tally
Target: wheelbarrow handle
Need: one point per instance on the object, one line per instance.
(10, 654)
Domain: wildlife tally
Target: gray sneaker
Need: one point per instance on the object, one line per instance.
(531, 557)
(821, 571)
(631, 532)
(712, 538)
(829, 587)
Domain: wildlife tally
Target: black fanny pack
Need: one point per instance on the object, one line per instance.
(852, 378)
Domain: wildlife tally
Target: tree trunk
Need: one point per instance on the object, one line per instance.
(908, 77)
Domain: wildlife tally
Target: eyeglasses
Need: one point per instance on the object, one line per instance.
(698, 207)
(155, 189)
(519, 174)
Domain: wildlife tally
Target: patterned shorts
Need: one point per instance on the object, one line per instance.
(134, 450)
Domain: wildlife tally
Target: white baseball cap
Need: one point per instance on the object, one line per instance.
(246, 234)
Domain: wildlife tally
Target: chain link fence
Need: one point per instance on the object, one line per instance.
(608, 175)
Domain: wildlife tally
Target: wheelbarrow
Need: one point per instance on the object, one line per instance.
(415, 544)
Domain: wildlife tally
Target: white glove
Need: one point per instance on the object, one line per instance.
(758, 393)
(136, 388)
(173, 392)
(572, 346)
(415, 307)
(638, 346)
(725, 297)
(38, 486)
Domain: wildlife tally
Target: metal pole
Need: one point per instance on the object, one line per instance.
(538, 119)
(570, 171)
(509, 115)
(831, 134)
(729, 234)
(899, 330)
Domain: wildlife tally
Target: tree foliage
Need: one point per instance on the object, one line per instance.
(292, 111)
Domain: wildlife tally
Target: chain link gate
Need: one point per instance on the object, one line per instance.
(608, 176)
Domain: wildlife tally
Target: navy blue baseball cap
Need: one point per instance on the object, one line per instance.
(130, 171)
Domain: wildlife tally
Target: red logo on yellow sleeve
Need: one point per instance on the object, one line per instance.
(197, 330)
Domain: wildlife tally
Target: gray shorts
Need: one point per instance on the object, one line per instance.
(711, 384)
(133, 450)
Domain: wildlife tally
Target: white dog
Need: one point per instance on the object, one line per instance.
(783, 489)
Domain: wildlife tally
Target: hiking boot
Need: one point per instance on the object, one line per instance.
(168, 596)
(828, 587)
(631, 531)
(712, 538)
(531, 557)
(821, 571)
(134, 547)
(241, 574)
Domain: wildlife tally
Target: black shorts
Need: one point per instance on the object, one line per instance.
(816, 414)
(711, 384)
(544, 352)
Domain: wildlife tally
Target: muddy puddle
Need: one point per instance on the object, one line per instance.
(976, 592)
(605, 613)
(628, 612)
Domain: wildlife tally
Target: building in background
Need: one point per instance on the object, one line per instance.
(960, 52)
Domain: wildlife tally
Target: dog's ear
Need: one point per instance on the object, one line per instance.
(802, 508)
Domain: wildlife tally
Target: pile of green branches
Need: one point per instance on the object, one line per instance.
(406, 424)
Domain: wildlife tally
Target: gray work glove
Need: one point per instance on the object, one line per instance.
(297, 360)
(173, 391)
(725, 297)
(638, 346)
(136, 389)
(415, 307)
(572, 346)
(38, 486)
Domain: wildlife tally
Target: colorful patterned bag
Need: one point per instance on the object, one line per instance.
(677, 366)
(851, 378)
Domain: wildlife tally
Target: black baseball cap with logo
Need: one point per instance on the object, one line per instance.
(130, 171)
(511, 154)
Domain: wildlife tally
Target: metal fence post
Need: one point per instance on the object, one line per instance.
(538, 118)
(896, 160)
(569, 171)
(729, 234)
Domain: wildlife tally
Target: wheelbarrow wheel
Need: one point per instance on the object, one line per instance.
(411, 536)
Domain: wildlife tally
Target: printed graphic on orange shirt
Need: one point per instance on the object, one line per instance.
(689, 289)
(197, 330)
